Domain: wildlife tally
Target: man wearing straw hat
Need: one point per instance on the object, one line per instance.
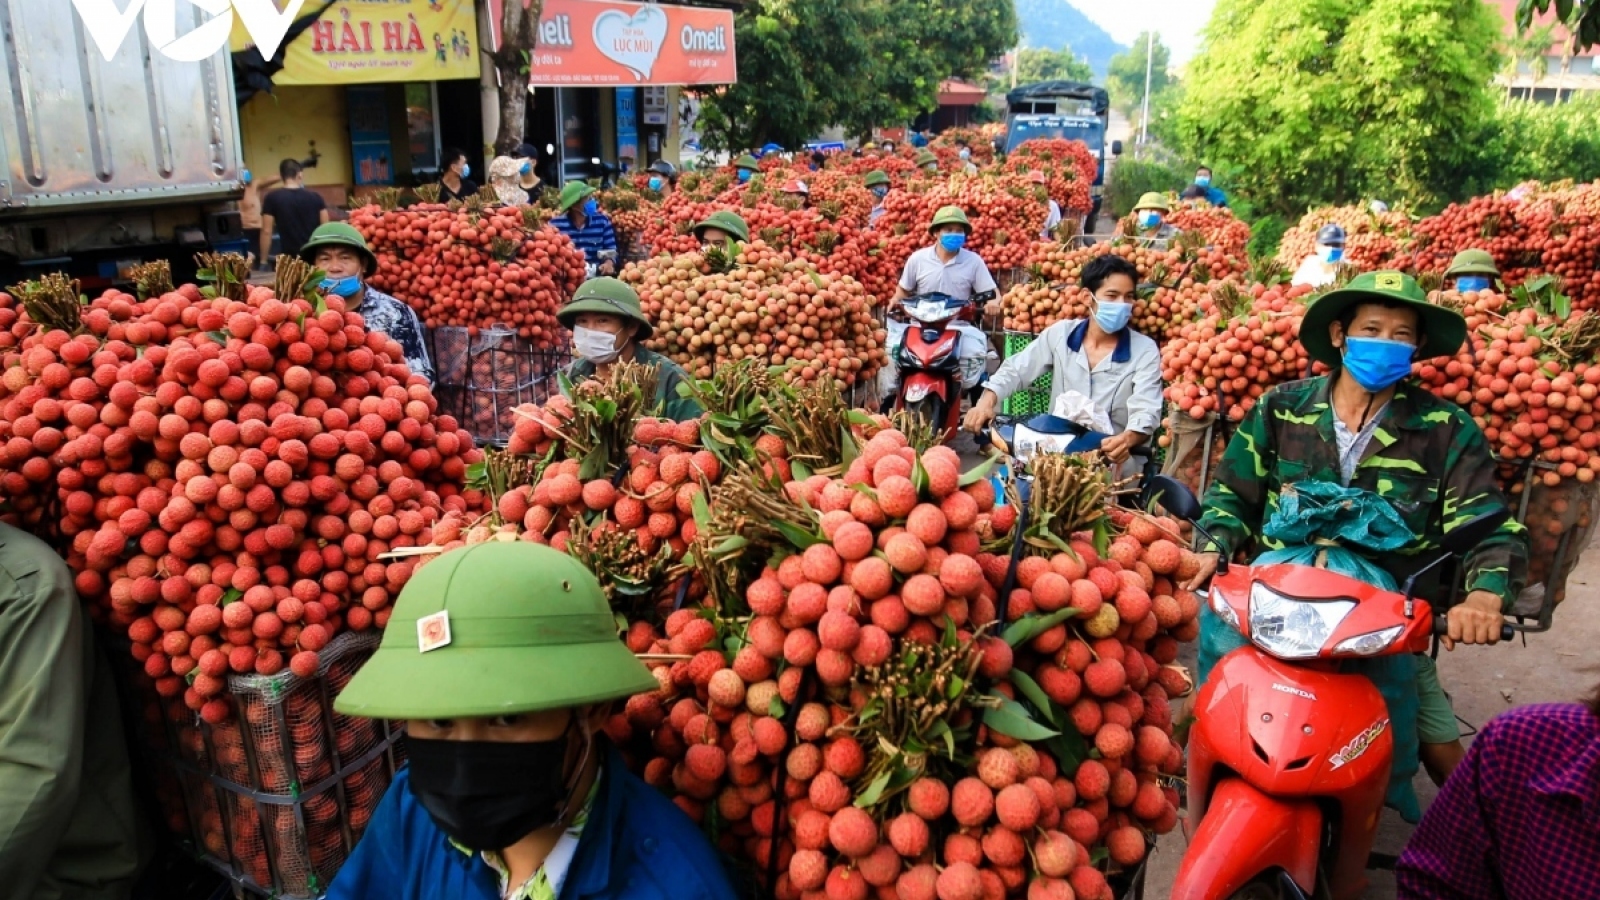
(1368, 425)
(503, 660)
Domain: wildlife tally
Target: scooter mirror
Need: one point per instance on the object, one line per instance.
(1175, 497)
(1473, 532)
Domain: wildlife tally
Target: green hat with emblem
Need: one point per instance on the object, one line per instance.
(926, 157)
(339, 234)
(950, 215)
(1153, 200)
(494, 629)
(606, 296)
(877, 177)
(1472, 262)
(572, 192)
(747, 161)
(1443, 329)
(723, 220)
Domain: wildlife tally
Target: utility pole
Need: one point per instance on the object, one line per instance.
(1149, 58)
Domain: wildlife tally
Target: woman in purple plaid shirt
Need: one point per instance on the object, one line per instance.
(1520, 817)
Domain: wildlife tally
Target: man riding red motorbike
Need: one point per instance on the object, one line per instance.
(1369, 426)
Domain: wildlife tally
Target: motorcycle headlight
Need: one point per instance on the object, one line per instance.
(1293, 629)
(1223, 610)
(1369, 644)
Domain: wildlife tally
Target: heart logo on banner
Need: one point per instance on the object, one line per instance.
(633, 42)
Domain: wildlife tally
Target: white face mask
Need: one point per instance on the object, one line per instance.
(595, 346)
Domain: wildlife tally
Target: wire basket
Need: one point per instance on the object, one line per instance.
(482, 378)
(1034, 399)
(1560, 518)
(276, 798)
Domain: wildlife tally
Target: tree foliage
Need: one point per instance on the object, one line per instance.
(1582, 18)
(1337, 101)
(1125, 78)
(1041, 64)
(807, 64)
(1545, 142)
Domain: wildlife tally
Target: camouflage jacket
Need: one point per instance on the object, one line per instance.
(669, 376)
(1427, 458)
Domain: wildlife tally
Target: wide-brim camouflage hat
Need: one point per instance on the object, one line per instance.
(1443, 329)
(495, 629)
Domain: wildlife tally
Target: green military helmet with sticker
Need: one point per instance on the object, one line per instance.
(1443, 329)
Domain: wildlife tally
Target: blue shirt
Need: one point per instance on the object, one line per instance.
(636, 846)
(595, 235)
(1216, 197)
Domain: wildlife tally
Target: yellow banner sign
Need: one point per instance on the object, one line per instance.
(375, 41)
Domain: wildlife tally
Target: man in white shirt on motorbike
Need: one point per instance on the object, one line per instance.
(1114, 370)
(945, 267)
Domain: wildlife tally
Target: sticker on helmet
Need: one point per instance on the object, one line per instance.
(1389, 281)
(433, 631)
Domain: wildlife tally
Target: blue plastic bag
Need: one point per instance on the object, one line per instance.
(1318, 521)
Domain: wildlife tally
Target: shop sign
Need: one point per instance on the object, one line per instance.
(593, 42)
(381, 41)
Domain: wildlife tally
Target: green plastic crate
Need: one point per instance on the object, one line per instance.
(1031, 400)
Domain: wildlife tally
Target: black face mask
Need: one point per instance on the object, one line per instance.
(487, 795)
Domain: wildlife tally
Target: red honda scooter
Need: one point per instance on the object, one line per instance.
(929, 359)
(1289, 757)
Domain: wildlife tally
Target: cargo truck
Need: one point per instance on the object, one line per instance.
(104, 165)
(1063, 109)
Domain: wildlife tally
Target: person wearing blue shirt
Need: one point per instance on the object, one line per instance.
(590, 229)
(503, 660)
(1214, 195)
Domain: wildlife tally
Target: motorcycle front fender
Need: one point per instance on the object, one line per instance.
(1245, 834)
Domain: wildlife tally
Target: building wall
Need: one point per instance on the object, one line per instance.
(274, 128)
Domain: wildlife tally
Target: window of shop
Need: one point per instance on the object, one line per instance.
(580, 132)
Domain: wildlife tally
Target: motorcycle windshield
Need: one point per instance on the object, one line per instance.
(929, 310)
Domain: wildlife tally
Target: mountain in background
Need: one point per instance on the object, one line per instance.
(1056, 24)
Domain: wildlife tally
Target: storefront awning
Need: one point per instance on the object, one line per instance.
(380, 43)
(956, 93)
(601, 43)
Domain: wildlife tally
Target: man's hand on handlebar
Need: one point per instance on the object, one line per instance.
(1476, 620)
(981, 413)
(1208, 566)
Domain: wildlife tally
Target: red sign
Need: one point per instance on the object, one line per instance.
(595, 42)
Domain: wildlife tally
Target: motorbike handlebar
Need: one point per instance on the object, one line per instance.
(1441, 627)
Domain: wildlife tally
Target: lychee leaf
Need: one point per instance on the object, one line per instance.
(797, 536)
(919, 477)
(1035, 694)
(702, 512)
(979, 472)
(1070, 750)
(874, 792)
(776, 708)
(1021, 631)
(1011, 719)
(230, 596)
(800, 470)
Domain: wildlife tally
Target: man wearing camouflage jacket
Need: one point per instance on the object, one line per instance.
(1369, 426)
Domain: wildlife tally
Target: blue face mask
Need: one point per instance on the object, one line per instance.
(744, 175)
(1202, 180)
(879, 190)
(1377, 363)
(1332, 254)
(655, 184)
(1149, 219)
(1112, 315)
(527, 166)
(1472, 283)
(245, 176)
(343, 287)
(590, 207)
(952, 241)
(466, 170)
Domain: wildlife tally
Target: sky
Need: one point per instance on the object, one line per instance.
(1179, 22)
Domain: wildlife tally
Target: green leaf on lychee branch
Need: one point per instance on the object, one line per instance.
(1011, 719)
(1035, 695)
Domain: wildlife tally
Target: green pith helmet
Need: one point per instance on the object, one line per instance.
(877, 177)
(496, 629)
(606, 296)
(1443, 329)
(1472, 262)
(572, 192)
(723, 220)
(1153, 200)
(926, 157)
(339, 234)
(950, 215)
(747, 162)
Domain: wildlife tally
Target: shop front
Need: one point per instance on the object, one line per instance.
(606, 77)
(371, 93)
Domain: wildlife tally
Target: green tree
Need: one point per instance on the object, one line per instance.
(1335, 101)
(1125, 78)
(804, 66)
(1582, 18)
(1041, 64)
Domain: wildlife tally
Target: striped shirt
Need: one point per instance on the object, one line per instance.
(595, 235)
